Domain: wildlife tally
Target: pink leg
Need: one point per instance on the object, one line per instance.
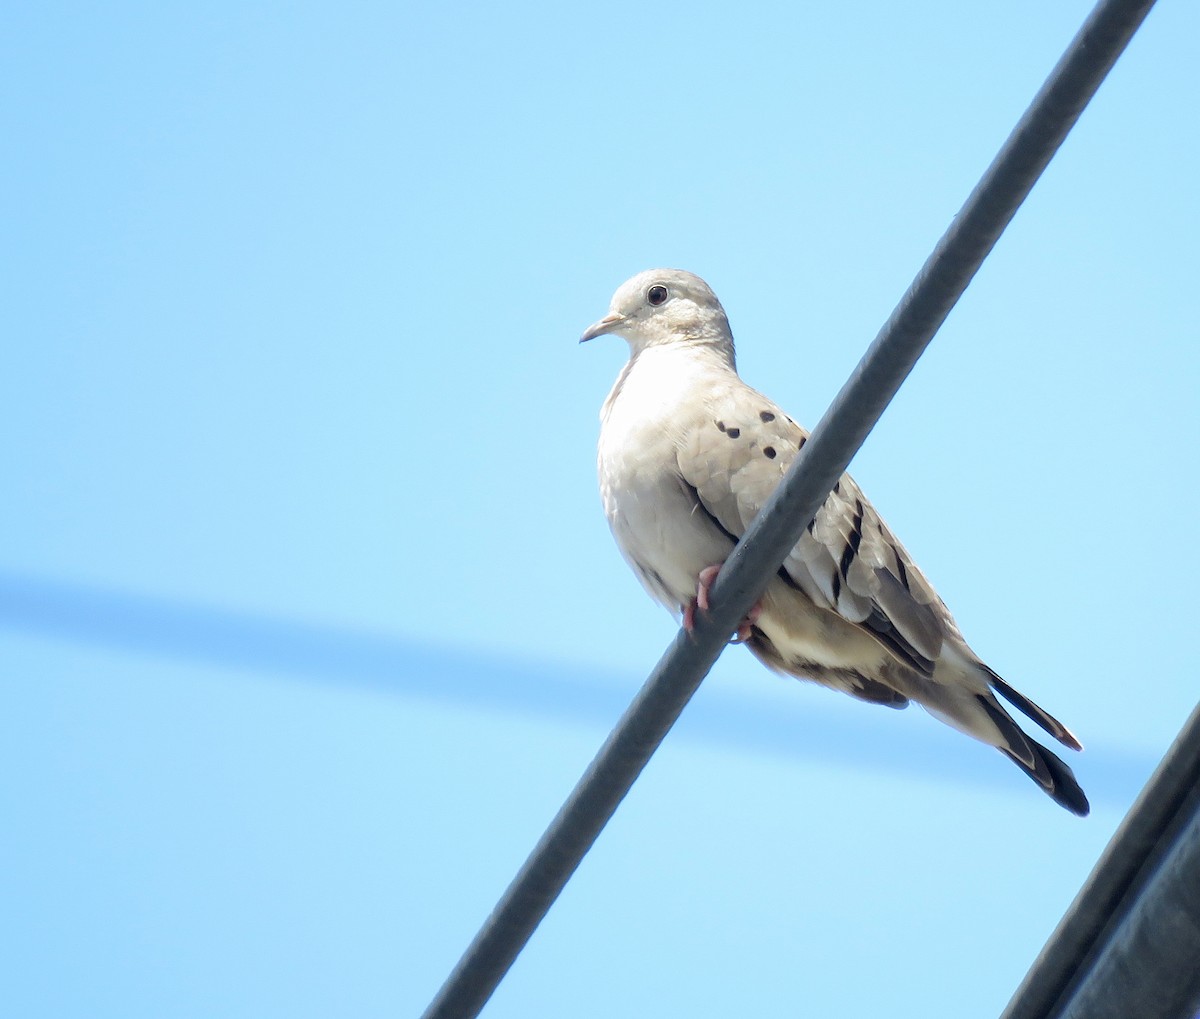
(704, 583)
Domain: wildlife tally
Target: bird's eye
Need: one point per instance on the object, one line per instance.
(656, 294)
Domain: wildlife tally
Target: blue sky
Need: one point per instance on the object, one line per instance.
(310, 617)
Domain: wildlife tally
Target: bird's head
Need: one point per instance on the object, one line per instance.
(662, 306)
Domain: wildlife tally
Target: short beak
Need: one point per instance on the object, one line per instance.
(605, 325)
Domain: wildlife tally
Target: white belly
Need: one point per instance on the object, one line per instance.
(663, 534)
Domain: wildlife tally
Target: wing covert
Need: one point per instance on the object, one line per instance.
(848, 561)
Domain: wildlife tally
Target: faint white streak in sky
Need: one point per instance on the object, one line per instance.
(207, 634)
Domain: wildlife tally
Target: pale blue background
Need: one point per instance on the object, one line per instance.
(310, 616)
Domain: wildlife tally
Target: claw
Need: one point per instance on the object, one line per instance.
(704, 583)
(689, 616)
(745, 628)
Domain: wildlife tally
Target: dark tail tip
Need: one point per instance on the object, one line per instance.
(1042, 717)
(1055, 778)
(1046, 769)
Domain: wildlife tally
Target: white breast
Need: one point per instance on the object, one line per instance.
(660, 530)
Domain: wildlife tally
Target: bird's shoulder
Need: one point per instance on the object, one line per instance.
(848, 560)
(737, 450)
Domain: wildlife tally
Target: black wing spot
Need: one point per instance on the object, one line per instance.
(787, 579)
(766, 416)
(847, 559)
(803, 440)
(903, 578)
(720, 426)
(851, 549)
(769, 452)
(733, 433)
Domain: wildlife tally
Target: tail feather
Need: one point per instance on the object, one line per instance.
(1053, 775)
(1045, 768)
(1043, 718)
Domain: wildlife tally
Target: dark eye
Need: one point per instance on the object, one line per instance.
(656, 294)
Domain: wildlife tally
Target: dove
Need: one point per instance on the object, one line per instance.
(689, 453)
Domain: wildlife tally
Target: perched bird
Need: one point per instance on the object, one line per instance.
(688, 456)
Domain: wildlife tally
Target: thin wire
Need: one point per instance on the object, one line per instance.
(820, 463)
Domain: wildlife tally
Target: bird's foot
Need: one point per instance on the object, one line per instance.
(745, 628)
(703, 584)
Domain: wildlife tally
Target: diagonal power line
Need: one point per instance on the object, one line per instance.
(835, 440)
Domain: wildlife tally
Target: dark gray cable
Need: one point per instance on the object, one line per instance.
(824, 457)
(1129, 945)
